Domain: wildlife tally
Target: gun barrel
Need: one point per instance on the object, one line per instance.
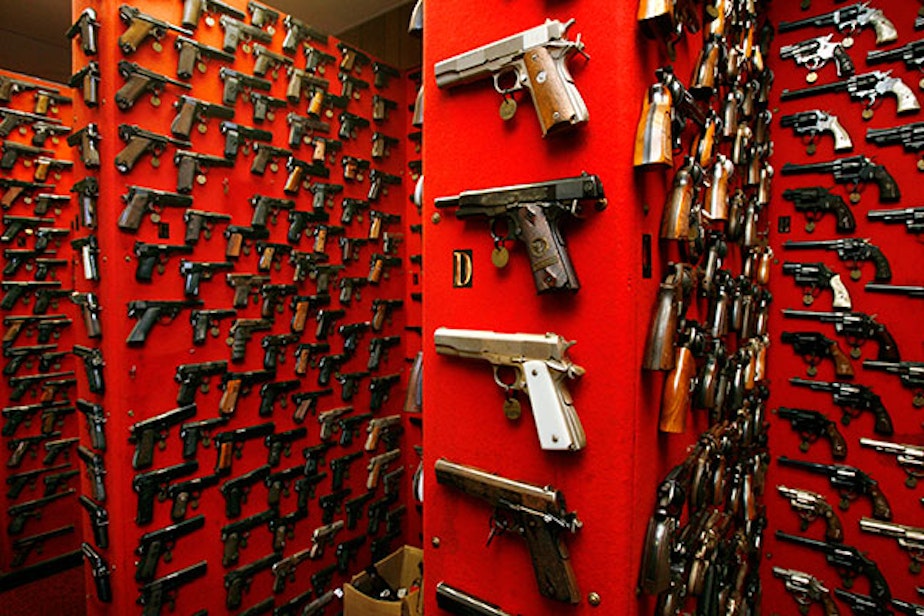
(825, 88)
(812, 467)
(798, 169)
(817, 21)
(900, 289)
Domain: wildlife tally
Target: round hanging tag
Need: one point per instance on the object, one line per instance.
(500, 257)
(507, 109)
(512, 409)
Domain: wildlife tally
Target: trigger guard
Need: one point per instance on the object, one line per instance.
(517, 85)
(517, 384)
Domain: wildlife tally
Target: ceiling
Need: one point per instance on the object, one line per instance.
(32, 32)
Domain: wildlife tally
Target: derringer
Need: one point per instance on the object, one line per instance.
(909, 457)
(849, 562)
(86, 28)
(230, 444)
(155, 484)
(139, 80)
(87, 80)
(848, 19)
(191, 53)
(192, 167)
(161, 543)
(138, 142)
(236, 490)
(150, 312)
(853, 400)
(814, 122)
(140, 26)
(539, 512)
(533, 212)
(534, 59)
(193, 10)
(541, 364)
(145, 434)
(140, 201)
(236, 82)
(816, 52)
(297, 32)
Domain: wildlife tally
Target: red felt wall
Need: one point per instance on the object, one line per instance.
(59, 589)
(901, 315)
(139, 379)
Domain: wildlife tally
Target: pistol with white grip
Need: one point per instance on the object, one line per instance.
(541, 365)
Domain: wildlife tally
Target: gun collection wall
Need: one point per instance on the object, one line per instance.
(237, 274)
(212, 310)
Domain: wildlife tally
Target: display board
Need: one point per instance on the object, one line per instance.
(244, 299)
(898, 314)
(41, 519)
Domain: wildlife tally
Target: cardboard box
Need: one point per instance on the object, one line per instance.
(401, 569)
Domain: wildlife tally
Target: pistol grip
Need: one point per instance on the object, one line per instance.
(675, 399)
(558, 102)
(537, 228)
